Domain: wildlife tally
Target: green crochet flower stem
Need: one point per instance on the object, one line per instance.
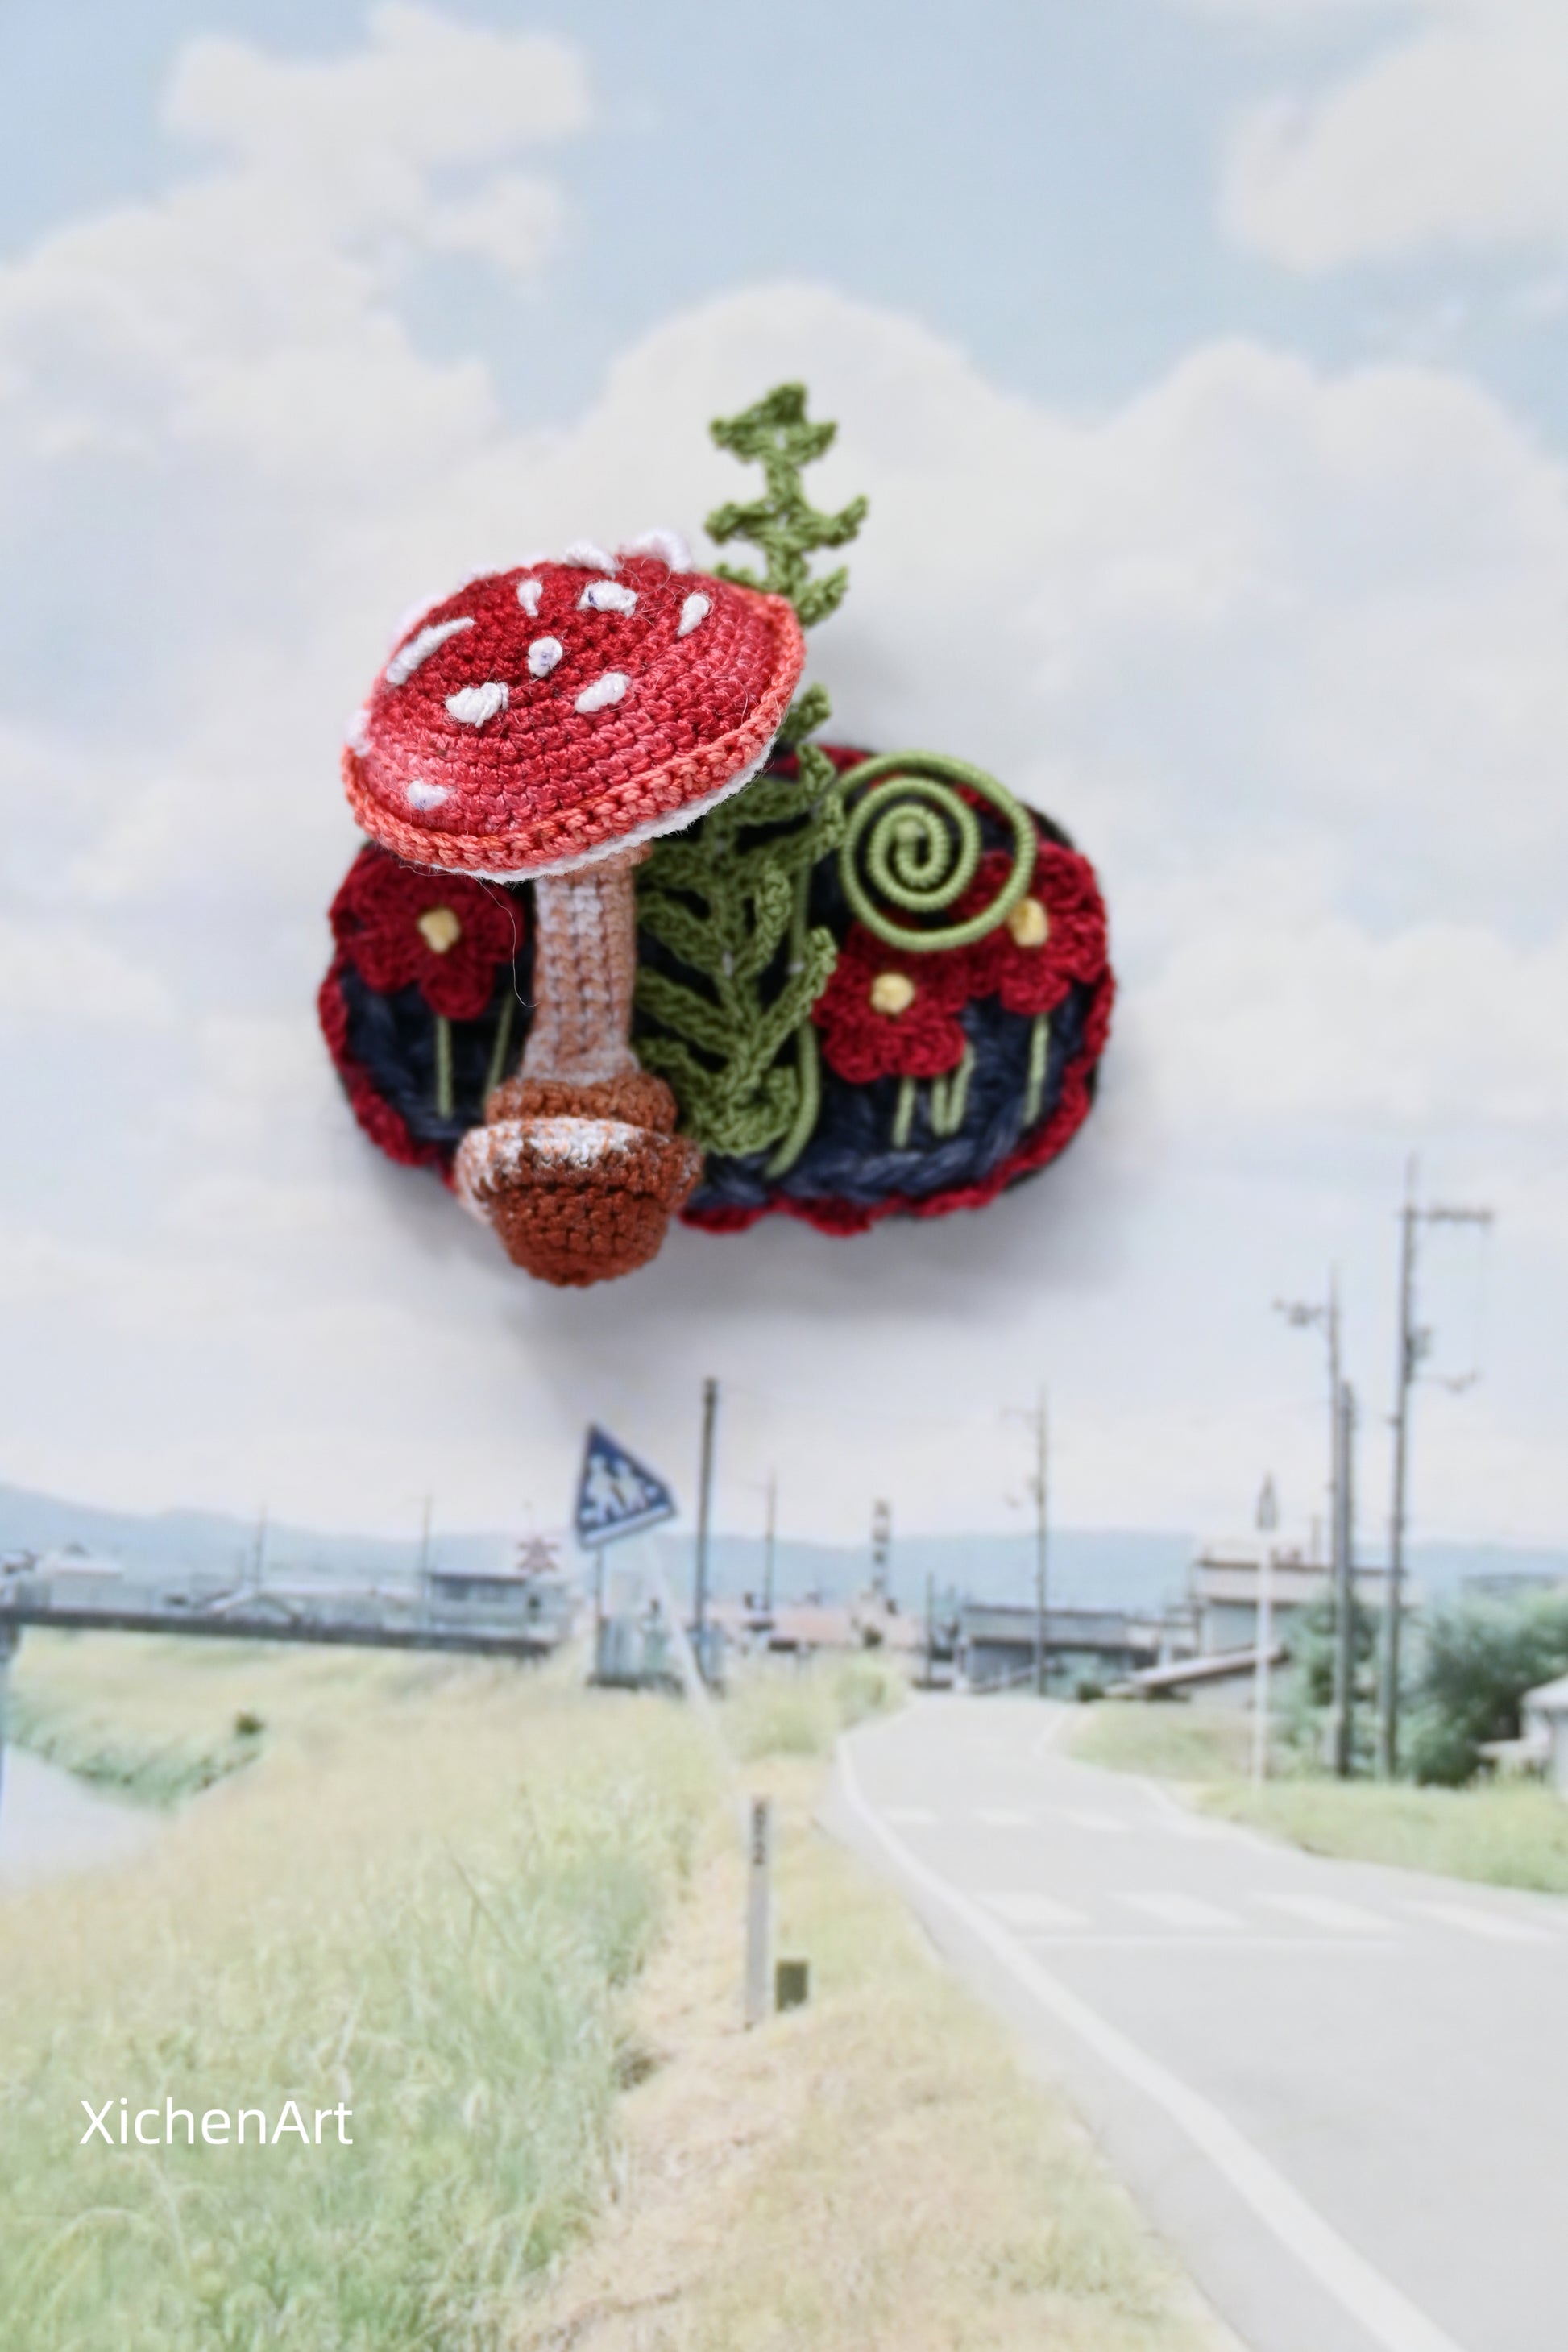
(502, 1046)
(1040, 1053)
(444, 1099)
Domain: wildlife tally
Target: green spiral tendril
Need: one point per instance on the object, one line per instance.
(920, 842)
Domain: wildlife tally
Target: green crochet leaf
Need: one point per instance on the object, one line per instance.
(730, 1027)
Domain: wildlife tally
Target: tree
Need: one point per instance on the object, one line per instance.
(1478, 1660)
(1311, 1691)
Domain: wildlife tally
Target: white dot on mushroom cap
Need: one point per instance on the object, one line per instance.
(667, 545)
(426, 796)
(542, 656)
(607, 596)
(472, 705)
(696, 608)
(528, 592)
(587, 557)
(407, 658)
(604, 692)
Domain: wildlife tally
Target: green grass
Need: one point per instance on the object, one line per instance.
(1172, 1742)
(426, 1899)
(1504, 1833)
(158, 1718)
(784, 1708)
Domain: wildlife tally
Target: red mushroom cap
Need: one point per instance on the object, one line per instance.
(549, 715)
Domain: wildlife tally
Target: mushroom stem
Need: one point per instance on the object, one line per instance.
(578, 1166)
(583, 973)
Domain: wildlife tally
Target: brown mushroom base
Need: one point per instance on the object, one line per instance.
(579, 1183)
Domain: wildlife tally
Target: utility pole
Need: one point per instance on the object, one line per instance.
(769, 1541)
(1344, 1582)
(704, 1510)
(1415, 1343)
(259, 1556)
(1301, 1316)
(1042, 1465)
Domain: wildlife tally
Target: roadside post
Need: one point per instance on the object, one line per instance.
(759, 1911)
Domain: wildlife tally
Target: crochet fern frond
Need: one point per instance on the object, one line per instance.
(726, 901)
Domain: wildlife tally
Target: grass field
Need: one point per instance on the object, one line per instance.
(872, 2170)
(1172, 1743)
(1504, 1833)
(1509, 1834)
(498, 1917)
(158, 1717)
(425, 1901)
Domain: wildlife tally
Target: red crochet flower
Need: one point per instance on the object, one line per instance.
(400, 926)
(1055, 935)
(886, 1014)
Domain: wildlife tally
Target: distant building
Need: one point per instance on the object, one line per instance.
(535, 1594)
(797, 1628)
(1225, 1678)
(997, 1643)
(75, 1578)
(1225, 1584)
(1545, 1715)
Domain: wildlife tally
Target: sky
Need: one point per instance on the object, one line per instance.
(1202, 361)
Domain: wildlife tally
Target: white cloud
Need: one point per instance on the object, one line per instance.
(1283, 646)
(1448, 134)
(1443, 1025)
(249, 306)
(61, 973)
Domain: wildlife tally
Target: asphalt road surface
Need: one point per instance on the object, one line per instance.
(1341, 2091)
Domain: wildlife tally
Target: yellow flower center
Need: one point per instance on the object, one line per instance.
(1029, 923)
(893, 992)
(439, 929)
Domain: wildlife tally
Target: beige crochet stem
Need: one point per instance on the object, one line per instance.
(584, 968)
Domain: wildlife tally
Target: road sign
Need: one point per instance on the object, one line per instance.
(616, 1494)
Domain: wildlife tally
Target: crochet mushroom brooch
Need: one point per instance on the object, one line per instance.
(627, 941)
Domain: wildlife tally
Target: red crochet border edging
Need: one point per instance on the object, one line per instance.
(386, 1128)
(843, 1218)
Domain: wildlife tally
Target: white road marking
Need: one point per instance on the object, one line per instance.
(1389, 2317)
(1003, 1816)
(1493, 1924)
(913, 1817)
(1028, 1912)
(1181, 1910)
(1226, 1943)
(1327, 1911)
(1107, 1824)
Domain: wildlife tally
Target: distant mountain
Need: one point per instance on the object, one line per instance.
(209, 1543)
(1085, 1566)
(1130, 1568)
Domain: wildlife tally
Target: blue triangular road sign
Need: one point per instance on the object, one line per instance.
(616, 1494)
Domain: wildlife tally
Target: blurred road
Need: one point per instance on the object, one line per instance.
(1341, 2091)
